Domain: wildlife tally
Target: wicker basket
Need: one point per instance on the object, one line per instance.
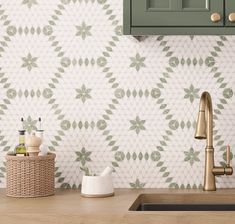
(30, 176)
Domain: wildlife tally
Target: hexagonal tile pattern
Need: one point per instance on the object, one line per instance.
(31, 13)
(83, 93)
(184, 87)
(106, 99)
(138, 64)
(29, 62)
(81, 151)
(85, 36)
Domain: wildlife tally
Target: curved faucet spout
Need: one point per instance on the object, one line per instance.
(204, 128)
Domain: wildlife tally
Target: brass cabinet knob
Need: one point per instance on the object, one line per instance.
(231, 17)
(215, 17)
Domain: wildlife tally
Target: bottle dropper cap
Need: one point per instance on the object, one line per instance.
(22, 122)
(22, 132)
(40, 125)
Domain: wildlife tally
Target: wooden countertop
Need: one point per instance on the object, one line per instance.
(68, 207)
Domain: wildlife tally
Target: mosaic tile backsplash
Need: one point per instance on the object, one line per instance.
(109, 100)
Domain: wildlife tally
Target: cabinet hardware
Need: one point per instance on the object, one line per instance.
(231, 17)
(215, 17)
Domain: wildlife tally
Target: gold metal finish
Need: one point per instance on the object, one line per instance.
(215, 17)
(231, 17)
(204, 130)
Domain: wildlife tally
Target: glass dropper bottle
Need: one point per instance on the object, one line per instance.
(43, 148)
(20, 149)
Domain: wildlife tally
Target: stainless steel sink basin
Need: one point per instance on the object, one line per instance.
(185, 207)
(184, 202)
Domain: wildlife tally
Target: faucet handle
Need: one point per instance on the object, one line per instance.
(228, 170)
(228, 156)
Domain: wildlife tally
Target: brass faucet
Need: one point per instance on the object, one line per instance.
(204, 130)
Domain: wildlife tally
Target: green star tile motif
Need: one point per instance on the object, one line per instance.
(30, 124)
(137, 125)
(29, 3)
(191, 156)
(29, 62)
(86, 171)
(137, 184)
(83, 156)
(137, 62)
(83, 31)
(191, 93)
(83, 93)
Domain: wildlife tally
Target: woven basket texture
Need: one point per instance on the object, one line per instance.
(30, 176)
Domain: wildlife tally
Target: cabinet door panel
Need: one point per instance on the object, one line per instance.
(198, 4)
(229, 9)
(176, 12)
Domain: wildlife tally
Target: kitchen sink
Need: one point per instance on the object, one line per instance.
(184, 202)
(185, 207)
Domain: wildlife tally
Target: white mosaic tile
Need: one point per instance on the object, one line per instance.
(108, 99)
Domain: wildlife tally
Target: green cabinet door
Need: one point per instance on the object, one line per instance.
(183, 13)
(230, 12)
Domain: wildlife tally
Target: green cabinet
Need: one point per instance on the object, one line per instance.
(148, 17)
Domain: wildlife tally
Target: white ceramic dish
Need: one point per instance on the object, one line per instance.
(97, 186)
